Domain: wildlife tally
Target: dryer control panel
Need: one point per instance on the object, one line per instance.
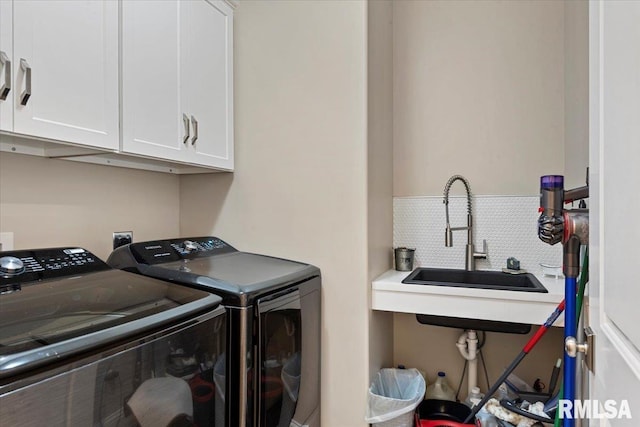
(23, 266)
(161, 251)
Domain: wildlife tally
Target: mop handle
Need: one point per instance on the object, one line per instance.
(530, 344)
(543, 328)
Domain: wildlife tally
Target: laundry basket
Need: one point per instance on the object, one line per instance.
(393, 397)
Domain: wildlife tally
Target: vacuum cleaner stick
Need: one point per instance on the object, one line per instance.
(571, 227)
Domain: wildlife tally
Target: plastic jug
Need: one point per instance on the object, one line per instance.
(474, 397)
(440, 389)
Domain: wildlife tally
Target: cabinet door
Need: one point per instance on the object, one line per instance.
(153, 104)
(67, 51)
(6, 66)
(209, 71)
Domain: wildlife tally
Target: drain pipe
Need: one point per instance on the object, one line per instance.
(468, 346)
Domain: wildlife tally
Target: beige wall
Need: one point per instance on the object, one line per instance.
(300, 186)
(47, 203)
(478, 91)
(380, 172)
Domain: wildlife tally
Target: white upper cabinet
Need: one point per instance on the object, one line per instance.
(177, 88)
(152, 97)
(209, 84)
(6, 66)
(65, 71)
(143, 84)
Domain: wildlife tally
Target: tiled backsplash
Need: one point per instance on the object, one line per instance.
(507, 223)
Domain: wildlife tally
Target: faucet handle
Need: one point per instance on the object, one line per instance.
(485, 251)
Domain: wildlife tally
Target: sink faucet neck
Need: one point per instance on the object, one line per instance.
(447, 188)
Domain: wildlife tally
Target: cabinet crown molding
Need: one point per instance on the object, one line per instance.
(233, 3)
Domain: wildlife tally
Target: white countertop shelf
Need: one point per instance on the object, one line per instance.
(390, 294)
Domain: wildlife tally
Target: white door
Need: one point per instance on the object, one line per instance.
(153, 102)
(6, 66)
(614, 38)
(69, 52)
(209, 71)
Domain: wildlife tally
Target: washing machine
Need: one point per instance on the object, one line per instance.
(272, 367)
(82, 344)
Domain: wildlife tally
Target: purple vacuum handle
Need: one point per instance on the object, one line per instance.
(551, 220)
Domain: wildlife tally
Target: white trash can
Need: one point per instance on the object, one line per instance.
(394, 396)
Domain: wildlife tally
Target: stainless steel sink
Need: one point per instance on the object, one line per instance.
(475, 279)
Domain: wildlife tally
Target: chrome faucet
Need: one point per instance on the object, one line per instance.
(471, 254)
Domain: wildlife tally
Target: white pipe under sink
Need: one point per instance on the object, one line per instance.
(468, 346)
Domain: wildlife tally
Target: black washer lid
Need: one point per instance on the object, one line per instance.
(212, 264)
(239, 277)
(44, 320)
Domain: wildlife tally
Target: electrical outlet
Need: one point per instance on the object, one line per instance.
(6, 241)
(121, 238)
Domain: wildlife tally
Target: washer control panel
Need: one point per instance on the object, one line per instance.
(38, 264)
(159, 251)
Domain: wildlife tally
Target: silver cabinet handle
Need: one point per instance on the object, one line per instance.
(185, 121)
(194, 124)
(24, 66)
(6, 87)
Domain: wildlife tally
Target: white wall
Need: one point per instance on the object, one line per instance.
(47, 203)
(300, 186)
(478, 91)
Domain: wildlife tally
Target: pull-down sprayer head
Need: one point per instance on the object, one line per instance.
(448, 237)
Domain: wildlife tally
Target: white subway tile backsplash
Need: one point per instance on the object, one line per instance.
(507, 223)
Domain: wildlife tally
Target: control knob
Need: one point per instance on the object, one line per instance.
(11, 266)
(190, 246)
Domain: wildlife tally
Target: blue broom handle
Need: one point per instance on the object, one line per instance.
(569, 375)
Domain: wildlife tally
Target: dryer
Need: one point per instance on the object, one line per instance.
(272, 365)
